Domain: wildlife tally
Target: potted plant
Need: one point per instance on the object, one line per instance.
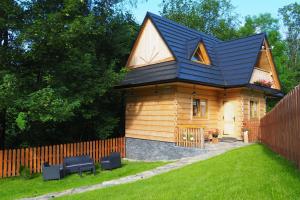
(215, 136)
(263, 83)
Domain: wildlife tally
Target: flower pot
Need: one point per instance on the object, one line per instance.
(215, 140)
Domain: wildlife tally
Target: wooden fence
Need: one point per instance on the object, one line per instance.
(189, 137)
(253, 127)
(280, 128)
(12, 159)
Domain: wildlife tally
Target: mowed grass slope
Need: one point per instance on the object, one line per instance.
(252, 172)
(13, 188)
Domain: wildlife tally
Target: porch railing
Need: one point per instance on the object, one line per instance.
(189, 136)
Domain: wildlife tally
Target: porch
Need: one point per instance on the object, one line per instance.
(197, 137)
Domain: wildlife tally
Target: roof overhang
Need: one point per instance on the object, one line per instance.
(268, 91)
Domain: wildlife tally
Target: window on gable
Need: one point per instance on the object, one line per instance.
(199, 108)
(200, 55)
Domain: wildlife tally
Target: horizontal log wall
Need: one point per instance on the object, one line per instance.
(33, 158)
(151, 113)
(184, 96)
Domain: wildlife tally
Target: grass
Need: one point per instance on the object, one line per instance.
(13, 188)
(252, 172)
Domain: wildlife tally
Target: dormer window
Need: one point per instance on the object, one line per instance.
(200, 55)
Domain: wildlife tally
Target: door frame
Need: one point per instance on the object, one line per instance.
(234, 119)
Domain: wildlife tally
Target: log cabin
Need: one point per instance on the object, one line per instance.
(179, 77)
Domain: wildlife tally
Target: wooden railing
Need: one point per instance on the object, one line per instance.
(33, 157)
(189, 136)
(280, 127)
(260, 74)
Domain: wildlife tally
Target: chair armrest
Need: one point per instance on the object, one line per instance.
(105, 158)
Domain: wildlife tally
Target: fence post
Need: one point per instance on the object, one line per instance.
(5, 163)
(1, 162)
(202, 138)
(13, 167)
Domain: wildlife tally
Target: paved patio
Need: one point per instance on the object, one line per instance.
(211, 150)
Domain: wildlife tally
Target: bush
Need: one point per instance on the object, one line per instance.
(25, 172)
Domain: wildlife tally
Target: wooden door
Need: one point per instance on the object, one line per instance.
(229, 118)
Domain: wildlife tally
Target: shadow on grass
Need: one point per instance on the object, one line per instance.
(287, 165)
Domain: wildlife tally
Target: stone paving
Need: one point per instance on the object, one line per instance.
(212, 150)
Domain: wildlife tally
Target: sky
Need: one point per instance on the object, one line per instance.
(242, 7)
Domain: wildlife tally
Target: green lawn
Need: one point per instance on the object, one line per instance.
(252, 172)
(12, 188)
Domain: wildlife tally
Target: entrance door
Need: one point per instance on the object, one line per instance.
(229, 118)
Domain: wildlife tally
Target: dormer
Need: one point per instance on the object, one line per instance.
(200, 54)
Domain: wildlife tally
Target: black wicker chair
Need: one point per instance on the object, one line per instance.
(112, 161)
(53, 172)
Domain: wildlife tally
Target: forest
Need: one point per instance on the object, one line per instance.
(60, 61)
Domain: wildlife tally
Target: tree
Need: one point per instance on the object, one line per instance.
(10, 50)
(213, 17)
(72, 54)
(291, 18)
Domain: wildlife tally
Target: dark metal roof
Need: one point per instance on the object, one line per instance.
(152, 73)
(267, 90)
(232, 62)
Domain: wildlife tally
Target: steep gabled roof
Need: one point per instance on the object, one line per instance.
(237, 58)
(232, 62)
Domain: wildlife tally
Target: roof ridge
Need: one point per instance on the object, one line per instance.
(183, 26)
(249, 36)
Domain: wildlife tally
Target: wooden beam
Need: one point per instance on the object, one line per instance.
(273, 69)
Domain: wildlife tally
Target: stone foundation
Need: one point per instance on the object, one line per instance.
(139, 149)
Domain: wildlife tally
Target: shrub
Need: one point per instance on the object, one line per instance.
(25, 172)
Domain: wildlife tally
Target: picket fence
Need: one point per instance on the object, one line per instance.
(280, 127)
(33, 157)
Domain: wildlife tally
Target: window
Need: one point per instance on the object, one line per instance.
(200, 55)
(253, 109)
(200, 108)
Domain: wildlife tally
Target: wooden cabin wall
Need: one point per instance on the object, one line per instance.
(154, 112)
(151, 113)
(249, 95)
(184, 96)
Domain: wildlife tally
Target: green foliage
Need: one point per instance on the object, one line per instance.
(291, 18)
(215, 17)
(21, 121)
(63, 59)
(25, 173)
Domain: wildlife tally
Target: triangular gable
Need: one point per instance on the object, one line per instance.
(149, 48)
(265, 68)
(200, 54)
